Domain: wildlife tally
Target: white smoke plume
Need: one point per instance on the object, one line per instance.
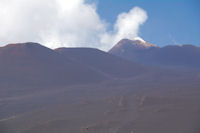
(126, 26)
(64, 23)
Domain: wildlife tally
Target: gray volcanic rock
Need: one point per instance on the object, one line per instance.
(59, 91)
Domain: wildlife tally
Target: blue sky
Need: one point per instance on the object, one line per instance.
(99, 23)
(169, 21)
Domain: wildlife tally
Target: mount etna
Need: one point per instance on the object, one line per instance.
(135, 87)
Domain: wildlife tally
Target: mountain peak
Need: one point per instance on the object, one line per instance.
(127, 44)
(25, 48)
(136, 42)
(26, 44)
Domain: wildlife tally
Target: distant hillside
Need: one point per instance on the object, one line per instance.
(31, 64)
(183, 56)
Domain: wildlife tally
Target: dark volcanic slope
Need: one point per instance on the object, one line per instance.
(103, 62)
(31, 64)
(160, 101)
(120, 107)
(186, 56)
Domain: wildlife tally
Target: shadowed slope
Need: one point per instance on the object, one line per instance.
(184, 56)
(104, 62)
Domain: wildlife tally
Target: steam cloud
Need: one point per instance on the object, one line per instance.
(64, 23)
